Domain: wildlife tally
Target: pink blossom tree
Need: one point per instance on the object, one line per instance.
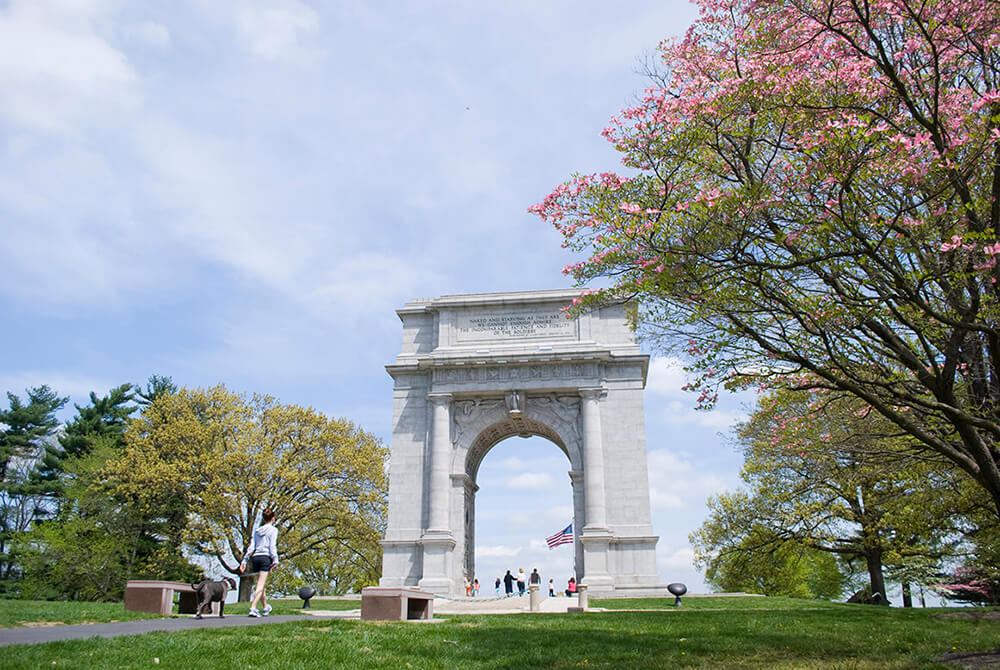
(812, 199)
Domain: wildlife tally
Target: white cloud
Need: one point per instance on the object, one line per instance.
(277, 29)
(676, 483)
(666, 377)
(679, 413)
(674, 558)
(56, 71)
(512, 463)
(531, 480)
(667, 402)
(149, 32)
(497, 551)
(559, 514)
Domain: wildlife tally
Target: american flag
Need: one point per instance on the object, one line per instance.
(565, 536)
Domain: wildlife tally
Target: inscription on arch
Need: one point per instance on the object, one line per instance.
(488, 325)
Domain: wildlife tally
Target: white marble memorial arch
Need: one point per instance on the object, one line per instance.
(477, 369)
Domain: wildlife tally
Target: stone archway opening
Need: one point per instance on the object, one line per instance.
(522, 494)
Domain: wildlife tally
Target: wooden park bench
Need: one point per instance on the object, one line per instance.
(148, 595)
(383, 603)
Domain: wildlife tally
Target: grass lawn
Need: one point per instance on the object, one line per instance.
(39, 612)
(15, 613)
(294, 605)
(706, 633)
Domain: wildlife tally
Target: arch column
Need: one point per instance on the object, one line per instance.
(596, 537)
(579, 514)
(437, 540)
(593, 460)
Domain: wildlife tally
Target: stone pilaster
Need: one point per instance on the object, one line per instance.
(593, 460)
(438, 542)
(440, 450)
(579, 519)
(595, 538)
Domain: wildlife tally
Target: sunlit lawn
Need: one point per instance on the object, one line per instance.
(704, 632)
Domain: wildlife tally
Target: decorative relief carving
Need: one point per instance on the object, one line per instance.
(562, 412)
(465, 413)
(501, 373)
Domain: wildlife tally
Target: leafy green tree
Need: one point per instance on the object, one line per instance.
(763, 562)
(97, 541)
(26, 427)
(345, 565)
(819, 476)
(229, 456)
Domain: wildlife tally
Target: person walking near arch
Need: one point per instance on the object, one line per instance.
(263, 557)
(520, 581)
(535, 578)
(508, 584)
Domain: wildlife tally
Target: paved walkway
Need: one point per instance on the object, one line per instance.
(41, 634)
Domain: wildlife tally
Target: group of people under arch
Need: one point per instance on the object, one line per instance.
(507, 584)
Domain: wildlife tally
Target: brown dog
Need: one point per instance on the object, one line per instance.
(209, 592)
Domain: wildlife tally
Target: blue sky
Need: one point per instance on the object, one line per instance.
(244, 192)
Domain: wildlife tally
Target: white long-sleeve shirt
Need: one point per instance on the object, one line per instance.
(265, 543)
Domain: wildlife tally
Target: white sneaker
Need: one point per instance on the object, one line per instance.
(266, 611)
(254, 611)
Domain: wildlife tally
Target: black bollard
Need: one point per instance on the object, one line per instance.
(678, 590)
(306, 592)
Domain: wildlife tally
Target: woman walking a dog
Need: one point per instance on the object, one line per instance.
(263, 557)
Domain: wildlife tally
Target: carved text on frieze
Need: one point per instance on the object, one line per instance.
(479, 326)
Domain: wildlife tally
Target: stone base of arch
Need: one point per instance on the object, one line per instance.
(438, 548)
(619, 566)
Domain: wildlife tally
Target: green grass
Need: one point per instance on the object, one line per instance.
(294, 605)
(25, 612)
(701, 603)
(725, 633)
(15, 613)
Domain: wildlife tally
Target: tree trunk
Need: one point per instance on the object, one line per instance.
(247, 582)
(907, 596)
(873, 558)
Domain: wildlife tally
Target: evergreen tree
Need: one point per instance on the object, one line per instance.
(26, 426)
(155, 387)
(104, 417)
